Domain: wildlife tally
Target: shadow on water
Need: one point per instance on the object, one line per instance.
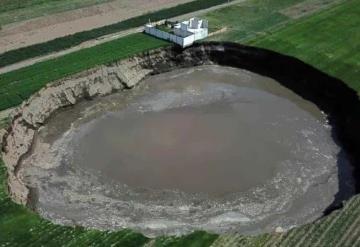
(331, 95)
(346, 183)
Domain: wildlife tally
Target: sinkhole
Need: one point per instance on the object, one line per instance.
(210, 147)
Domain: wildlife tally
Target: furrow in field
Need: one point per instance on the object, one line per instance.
(335, 222)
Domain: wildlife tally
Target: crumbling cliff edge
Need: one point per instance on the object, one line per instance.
(331, 95)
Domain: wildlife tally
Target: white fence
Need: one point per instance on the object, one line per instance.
(183, 41)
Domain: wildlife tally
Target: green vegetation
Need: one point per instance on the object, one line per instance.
(195, 239)
(20, 10)
(247, 18)
(18, 85)
(62, 43)
(328, 40)
(341, 227)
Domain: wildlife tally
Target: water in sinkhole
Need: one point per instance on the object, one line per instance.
(203, 148)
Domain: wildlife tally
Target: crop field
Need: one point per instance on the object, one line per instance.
(18, 85)
(69, 41)
(249, 19)
(328, 40)
(320, 41)
(19, 10)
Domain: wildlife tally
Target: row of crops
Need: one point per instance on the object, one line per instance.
(319, 41)
(69, 41)
(17, 86)
(341, 228)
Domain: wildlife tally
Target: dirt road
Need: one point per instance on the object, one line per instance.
(103, 39)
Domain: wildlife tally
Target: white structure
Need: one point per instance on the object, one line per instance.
(184, 33)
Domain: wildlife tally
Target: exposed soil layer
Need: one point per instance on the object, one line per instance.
(210, 147)
(45, 28)
(340, 103)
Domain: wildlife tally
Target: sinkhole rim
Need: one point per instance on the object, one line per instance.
(323, 90)
(163, 86)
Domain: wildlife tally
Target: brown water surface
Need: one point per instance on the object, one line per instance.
(210, 148)
(195, 133)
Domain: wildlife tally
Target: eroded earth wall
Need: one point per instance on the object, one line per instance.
(329, 94)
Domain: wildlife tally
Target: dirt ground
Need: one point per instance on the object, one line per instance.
(46, 28)
(308, 7)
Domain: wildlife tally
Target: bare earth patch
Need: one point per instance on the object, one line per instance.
(46, 28)
(307, 7)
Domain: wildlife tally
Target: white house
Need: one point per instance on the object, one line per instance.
(184, 33)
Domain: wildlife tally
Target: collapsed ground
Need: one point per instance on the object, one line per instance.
(162, 140)
(298, 37)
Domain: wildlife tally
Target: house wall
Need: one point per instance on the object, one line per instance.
(201, 34)
(183, 41)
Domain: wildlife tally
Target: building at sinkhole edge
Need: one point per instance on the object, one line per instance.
(184, 33)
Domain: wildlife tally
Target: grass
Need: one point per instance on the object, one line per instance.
(16, 86)
(69, 41)
(247, 18)
(328, 40)
(20, 10)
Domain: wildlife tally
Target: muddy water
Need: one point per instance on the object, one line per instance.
(209, 148)
(206, 136)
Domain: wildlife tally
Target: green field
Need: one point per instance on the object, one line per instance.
(69, 41)
(20, 10)
(18, 85)
(247, 18)
(328, 40)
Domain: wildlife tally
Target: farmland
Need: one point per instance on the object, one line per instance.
(249, 19)
(19, 10)
(317, 40)
(327, 40)
(17, 86)
(69, 41)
